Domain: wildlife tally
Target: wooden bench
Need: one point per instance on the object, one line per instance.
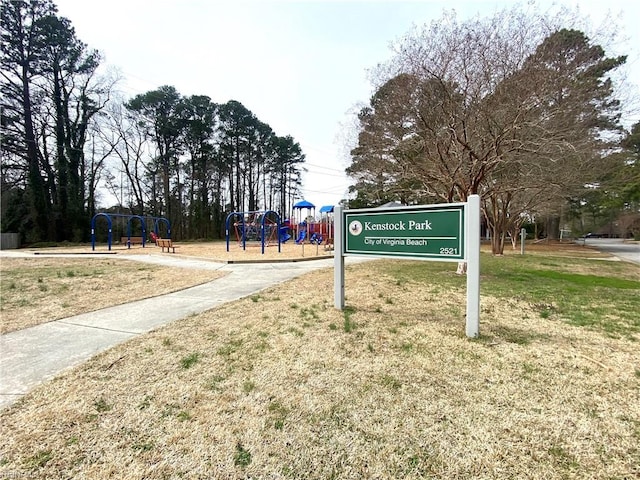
(166, 243)
(134, 240)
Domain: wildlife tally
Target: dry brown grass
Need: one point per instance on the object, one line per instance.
(36, 290)
(40, 289)
(281, 385)
(217, 251)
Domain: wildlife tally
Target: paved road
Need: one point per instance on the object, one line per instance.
(33, 355)
(629, 251)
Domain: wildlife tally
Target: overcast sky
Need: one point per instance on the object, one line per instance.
(300, 66)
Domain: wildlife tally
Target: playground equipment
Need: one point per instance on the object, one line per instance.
(307, 228)
(284, 234)
(302, 223)
(306, 232)
(261, 226)
(316, 239)
(130, 218)
(326, 223)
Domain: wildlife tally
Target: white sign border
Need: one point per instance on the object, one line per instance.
(471, 255)
(412, 256)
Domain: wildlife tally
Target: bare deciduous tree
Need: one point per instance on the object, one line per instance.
(512, 107)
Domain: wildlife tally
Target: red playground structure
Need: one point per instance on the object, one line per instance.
(307, 229)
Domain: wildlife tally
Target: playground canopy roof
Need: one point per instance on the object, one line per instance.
(304, 204)
(326, 209)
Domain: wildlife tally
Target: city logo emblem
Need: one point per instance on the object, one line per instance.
(355, 227)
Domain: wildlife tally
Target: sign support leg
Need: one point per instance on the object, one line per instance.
(472, 237)
(338, 259)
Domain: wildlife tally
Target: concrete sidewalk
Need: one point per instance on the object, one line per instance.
(33, 355)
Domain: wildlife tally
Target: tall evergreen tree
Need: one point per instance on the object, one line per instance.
(286, 172)
(199, 144)
(237, 142)
(24, 39)
(50, 95)
(165, 116)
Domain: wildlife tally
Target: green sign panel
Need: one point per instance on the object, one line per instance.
(427, 232)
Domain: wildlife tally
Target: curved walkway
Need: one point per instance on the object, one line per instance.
(36, 354)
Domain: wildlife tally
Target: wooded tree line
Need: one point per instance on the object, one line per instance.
(65, 132)
(515, 108)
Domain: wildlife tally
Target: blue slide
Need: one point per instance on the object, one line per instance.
(284, 236)
(316, 239)
(301, 237)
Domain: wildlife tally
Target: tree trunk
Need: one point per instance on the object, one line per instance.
(497, 239)
(40, 206)
(553, 227)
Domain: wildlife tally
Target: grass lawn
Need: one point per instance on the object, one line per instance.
(36, 290)
(282, 385)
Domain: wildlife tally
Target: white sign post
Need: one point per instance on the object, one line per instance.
(472, 237)
(425, 232)
(338, 258)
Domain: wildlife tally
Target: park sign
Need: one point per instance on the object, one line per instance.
(431, 232)
(444, 232)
